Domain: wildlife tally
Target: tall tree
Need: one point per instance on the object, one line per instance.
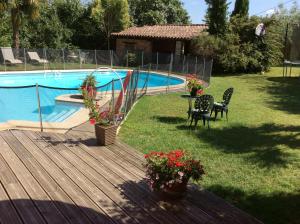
(19, 9)
(152, 12)
(241, 8)
(216, 16)
(112, 15)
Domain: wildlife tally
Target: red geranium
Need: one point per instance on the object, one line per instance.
(165, 169)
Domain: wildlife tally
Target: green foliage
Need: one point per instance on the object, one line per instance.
(19, 10)
(168, 170)
(111, 15)
(216, 16)
(153, 12)
(90, 81)
(5, 30)
(252, 160)
(241, 8)
(239, 49)
(46, 31)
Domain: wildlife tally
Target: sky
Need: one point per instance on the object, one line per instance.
(197, 8)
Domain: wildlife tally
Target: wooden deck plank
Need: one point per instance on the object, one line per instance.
(219, 208)
(8, 214)
(205, 200)
(102, 200)
(91, 184)
(15, 158)
(124, 169)
(151, 207)
(18, 196)
(102, 183)
(57, 194)
(92, 211)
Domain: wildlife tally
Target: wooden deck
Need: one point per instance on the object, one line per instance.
(56, 178)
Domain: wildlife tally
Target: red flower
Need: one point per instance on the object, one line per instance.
(93, 121)
(179, 164)
(200, 92)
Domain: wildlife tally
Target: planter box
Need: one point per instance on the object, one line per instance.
(106, 135)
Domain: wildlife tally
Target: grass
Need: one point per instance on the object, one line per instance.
(252, 161)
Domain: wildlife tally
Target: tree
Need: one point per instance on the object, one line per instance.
(216, 16)
(5, 31)
(153, 12)
(241, 8)
(47, 31)
(19, 9)
(112, 16)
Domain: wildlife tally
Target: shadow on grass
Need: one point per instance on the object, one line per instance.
(285, 94)
(262, 143)
(274, 208)
(169, 120)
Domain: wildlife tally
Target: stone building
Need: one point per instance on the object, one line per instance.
(171, 39)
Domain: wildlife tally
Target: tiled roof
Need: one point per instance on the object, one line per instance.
(181, 32)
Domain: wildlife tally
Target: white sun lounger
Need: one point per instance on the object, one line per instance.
(34, 57)
(9, 57)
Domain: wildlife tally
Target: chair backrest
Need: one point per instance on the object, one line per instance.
(204, 103)
(33, 55)
(227, 96)
(7, 53)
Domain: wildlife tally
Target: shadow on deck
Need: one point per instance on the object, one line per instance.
(56, 178)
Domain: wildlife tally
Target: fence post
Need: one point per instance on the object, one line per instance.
(113, 99)
(127, 58)
(96, 58)
(111, 58)
(63, 54)
(24, 53)
(170, 71)
(183, 63)
(203, 72)
(156, 61)
(45, 57)
(196, 65)
(142, 59)
(39, 107)
(147, 80)
(79, 56)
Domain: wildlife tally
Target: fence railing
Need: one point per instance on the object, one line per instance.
(65, 59)
(39, 103)
(37, 106)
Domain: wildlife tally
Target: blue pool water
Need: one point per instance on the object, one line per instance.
(21, 103)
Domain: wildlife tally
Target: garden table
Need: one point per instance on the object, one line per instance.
(190, 103)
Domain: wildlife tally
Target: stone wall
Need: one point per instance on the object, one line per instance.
(132, 44)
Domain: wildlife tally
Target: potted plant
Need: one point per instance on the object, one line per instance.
(105, 127)
(169, 173)
(195, 85)
(89, 84)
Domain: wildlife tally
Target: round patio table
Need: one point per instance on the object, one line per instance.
(190, 103)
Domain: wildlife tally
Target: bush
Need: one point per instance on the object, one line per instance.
(239, 49)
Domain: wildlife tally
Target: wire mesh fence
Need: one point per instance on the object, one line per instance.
(45, 103)
(65, 59)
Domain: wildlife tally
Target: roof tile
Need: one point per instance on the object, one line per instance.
(183, 32)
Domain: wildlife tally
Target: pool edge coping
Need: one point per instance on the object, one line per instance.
(81, 116)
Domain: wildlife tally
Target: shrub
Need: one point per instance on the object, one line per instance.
(239, 49)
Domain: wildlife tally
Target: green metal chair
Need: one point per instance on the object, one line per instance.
(202, 108)
(222, 106)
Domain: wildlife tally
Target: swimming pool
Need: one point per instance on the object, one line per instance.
(18, 98)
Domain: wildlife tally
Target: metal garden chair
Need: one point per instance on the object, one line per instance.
(223, 106)
(202, 108)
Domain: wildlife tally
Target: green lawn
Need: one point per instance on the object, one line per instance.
(253, 161)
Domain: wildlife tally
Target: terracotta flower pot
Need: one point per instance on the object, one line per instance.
(176, 191)
(106, 135)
